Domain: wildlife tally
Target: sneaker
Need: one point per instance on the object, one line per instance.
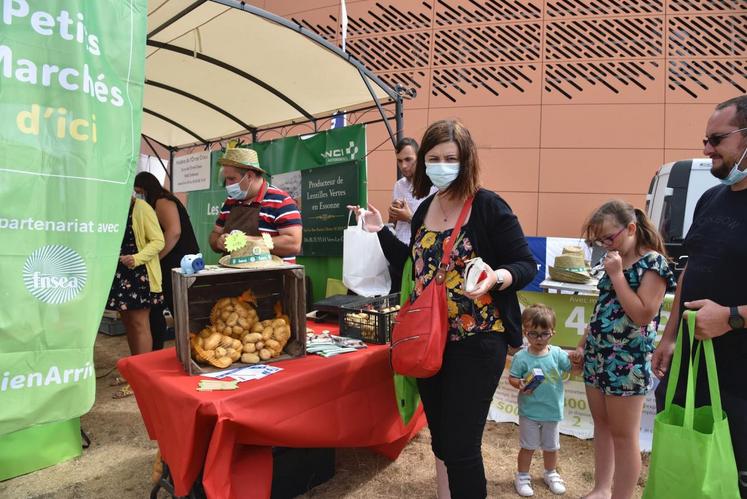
(523, 484)
(553, 480)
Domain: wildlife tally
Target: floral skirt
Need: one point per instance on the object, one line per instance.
(131, 290)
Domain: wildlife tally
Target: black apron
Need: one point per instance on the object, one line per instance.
(246, 218)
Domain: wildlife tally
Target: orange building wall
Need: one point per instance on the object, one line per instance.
(571, 102)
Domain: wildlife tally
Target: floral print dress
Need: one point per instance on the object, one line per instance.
(617, 355)
(466, 317)
(131, 288)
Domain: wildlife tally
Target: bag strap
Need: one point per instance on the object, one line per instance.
(450, 244)
(674, 369)
(712, 372)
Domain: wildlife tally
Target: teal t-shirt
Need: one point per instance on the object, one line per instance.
(546, 401)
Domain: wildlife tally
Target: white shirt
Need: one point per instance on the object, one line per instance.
(403, 190)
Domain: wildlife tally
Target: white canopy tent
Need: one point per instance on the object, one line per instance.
(217, 69)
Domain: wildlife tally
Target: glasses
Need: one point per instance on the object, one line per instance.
(543, 335)
(604, 240)
(716, 138)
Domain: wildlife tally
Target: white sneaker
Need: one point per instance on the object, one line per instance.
(553, 480)
(523, 484)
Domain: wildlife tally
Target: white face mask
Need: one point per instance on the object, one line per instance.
(736, 175)
(234, 190)
(138, 195)
(442, 174)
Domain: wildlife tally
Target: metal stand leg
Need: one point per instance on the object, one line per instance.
(164, 482)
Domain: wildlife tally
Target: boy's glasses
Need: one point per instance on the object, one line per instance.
(716, 138)
(542, 335)
(606, 240)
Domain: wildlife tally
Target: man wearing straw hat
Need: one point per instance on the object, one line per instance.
(714, 281)
(254, 206)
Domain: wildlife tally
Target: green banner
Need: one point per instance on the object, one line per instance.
(573, 312)
(326, 192)
(71, 92)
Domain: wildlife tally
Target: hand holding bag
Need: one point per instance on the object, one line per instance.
(692, 454)
(420, 329)
(365, 270)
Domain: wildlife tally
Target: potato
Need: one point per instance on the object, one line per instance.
(267, 333)
(260, 345)
(250, 358)
(272, 344)
(226, 342)
(265, 354)
(234, 354)
(212, 341)
(250, 347)
(237, 345)
(266, 323)
(237, 331)
(278, 322)
(220, 352)
(232, 319)
(257, 328)
(252, 338)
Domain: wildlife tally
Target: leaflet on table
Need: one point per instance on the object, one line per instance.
(245, 373)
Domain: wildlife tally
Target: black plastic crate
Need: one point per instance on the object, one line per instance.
(370, 319)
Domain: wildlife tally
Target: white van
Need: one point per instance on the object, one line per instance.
(671, 199)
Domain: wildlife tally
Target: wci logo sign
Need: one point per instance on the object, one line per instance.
(342, 154)
(54, 274)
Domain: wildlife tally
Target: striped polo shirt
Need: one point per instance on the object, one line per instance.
(277, 210)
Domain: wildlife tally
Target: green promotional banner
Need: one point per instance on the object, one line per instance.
(71, 92)
(573, 313)
(326, 191)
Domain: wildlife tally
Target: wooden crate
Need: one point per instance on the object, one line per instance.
(195, 295)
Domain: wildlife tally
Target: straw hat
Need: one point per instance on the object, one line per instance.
(241, 157)
(570, 266)
(249, 252)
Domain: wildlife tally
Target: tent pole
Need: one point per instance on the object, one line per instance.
(155, 153)
(378, 106)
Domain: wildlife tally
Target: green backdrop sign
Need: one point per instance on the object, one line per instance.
(71, 90)
(326, 192)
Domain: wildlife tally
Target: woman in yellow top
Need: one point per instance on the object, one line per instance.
(137, 281)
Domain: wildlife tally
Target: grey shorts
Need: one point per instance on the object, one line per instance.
(535, 435)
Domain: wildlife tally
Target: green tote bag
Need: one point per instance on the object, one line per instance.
(406, 388)
(692, 456)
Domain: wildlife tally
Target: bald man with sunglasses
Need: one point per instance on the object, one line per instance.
(714, 282)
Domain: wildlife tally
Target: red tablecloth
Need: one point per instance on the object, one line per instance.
(343, 401)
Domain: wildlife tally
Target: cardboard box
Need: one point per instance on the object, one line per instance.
(195, 295)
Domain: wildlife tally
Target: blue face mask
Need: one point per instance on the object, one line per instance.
(442, 174)
(234, 190)
(139, 196)
(735, 175)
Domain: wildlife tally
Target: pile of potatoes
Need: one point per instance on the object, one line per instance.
(367, 323)
(235, 333)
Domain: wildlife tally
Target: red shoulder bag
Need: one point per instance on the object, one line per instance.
(421, 327)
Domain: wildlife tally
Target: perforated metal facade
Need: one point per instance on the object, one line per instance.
(571, 102)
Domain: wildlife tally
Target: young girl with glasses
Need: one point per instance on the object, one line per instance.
(540, 407)
(616, 349)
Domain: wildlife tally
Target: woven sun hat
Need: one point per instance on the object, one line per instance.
(249, 252)
(570, 266)
(241, 157)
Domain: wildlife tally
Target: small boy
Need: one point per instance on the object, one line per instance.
(540, 406)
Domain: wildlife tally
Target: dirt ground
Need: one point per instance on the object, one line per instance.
(118, 463)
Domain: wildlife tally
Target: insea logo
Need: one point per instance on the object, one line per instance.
(54, 274)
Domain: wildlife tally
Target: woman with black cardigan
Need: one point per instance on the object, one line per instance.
(482, 323)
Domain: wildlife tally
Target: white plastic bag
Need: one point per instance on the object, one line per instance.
(365, 270)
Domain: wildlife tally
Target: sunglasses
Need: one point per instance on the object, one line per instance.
(539, 334)
(716, 138)
(606, 240)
